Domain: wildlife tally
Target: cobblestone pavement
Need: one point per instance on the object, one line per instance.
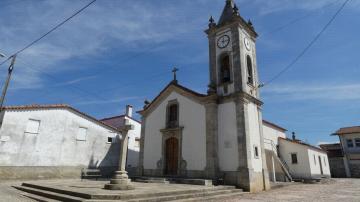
(9, 194)
(334, 190)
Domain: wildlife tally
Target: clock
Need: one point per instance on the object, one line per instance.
(223, 41)
(247, 44)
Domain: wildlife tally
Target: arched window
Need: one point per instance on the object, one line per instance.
(250, 70)
(225, 69)
(173, 111)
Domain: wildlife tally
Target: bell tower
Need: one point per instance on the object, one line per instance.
(232, 51)
(234, 82)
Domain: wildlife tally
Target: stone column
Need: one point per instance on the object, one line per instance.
(121, 181)
(212, 162)
(141, 153)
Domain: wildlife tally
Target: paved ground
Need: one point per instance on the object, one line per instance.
(343, 190)
(9, 194)
(334, 190)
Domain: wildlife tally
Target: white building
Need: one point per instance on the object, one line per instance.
(133, 135)
(350, 143)
(215, 135)
(291, 156)
(44, 141)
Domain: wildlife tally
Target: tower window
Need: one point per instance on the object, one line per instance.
(250, 70)
(225, 69)
(173, 111)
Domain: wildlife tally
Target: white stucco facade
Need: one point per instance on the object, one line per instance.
(192, 117)
(309, 160)
(63, 138)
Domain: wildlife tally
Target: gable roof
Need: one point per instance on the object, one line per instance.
(265, 122)
(303, 144)
(173, 86)
(348, 130)
(117, 121)
(58, 106)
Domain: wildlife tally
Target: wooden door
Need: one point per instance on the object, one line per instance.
(171, 155)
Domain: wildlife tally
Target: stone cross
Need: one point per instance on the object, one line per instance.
(174, 72)
(121, 180)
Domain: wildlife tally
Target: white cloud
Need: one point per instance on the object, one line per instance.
(104, 25)
(99, 102)
(329, 92)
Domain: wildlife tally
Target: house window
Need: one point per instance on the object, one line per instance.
(110, 140)
(357, 142)
(250, 70)
(256, 151)
(314, 159)
(137, 142)
(350, 143)
(294, 159)
(81, 135)
(225, 69)
(173, 112)
(32, 126)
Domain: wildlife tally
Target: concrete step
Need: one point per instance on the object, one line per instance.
(38, 198)
(220, 197)
(56, 190)
(49, 194)
(199, 194)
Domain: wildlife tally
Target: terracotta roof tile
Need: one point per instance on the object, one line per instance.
(348, 130)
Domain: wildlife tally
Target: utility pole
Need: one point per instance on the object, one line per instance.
(11, 68)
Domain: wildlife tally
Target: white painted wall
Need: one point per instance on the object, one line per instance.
(352, 137)
(254, 130)
(271, 135)
(302, 168)
(315, 164)
(133, 147)
(227, 138)
(55, 144)
(192, 117)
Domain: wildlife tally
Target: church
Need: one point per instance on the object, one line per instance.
(218, 135)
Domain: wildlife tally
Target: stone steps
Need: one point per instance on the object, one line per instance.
(49, 194)
(219, 197)
(195, 196)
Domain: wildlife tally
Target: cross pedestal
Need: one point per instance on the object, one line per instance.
(120, 180)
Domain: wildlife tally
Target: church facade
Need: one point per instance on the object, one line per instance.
(217, 135)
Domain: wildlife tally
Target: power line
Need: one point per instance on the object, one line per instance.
(307, 48)
(292, 22)
(50, 31)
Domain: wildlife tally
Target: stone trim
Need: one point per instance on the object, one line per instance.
(170, 103)
(172, 133)
(142, 146)
(265, 170)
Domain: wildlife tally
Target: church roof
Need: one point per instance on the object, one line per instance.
(173, 86)
(227, 13)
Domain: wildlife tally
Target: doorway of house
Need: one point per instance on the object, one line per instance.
(321, 168)
(171, 156)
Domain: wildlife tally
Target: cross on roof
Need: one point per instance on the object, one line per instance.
(174, 72)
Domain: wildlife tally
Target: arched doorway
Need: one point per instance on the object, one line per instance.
(171, 156)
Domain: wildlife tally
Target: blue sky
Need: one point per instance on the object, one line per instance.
(120, 52)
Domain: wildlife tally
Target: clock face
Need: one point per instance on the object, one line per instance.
(223, 41)
(247, 44)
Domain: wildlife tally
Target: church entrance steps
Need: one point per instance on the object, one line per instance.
(76, 190)
(174, 180)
